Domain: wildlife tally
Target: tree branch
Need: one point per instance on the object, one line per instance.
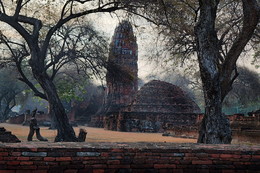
(76, 15)
(2, 6)
(251, 12)
(19, 28)
(18, 8)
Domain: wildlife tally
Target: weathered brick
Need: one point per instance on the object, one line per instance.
(71, 171)
(63, 159)
(69, 154)
(113, 162)
(2, 162)
(26, 163)
(7, 171)
(160, 166)
(55, 154)
(256, 157)
(64, 163)
(246, 156)
(88, 154)
(229, 171)
(113, 171)
(202, 171)
(85, 170)
(190, 158)
(201, 155)
(23, 158)
(3, 153)
(44, 167)
(99, 166)
(12, 158)
(23, 171)
(15, 153)
(226, 155)
(28, 167)
(189, 154)
(164, 171)
(178, 154)
(98, 171)
(49, 159)
(40, 171)
(202, 162)
(149, 161)
(143, 166)
(118, 166)
(214, 155)
(13, 162)
(104, 154)
(35, 154)
(36, 158)
(117, 150)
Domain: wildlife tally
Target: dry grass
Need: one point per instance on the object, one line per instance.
(98, 135)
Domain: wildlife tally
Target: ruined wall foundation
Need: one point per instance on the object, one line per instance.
(127, 157)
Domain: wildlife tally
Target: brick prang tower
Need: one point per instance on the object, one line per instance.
(122, 77)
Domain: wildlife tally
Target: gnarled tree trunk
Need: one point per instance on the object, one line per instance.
(215, 127)
(65, 131)
(217, 71)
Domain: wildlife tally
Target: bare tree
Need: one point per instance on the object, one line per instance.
(37, 43)
(218, 72)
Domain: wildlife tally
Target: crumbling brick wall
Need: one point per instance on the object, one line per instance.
(127, 157)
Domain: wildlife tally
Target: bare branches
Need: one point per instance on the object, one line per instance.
(2, 10)
(250, 20)
(19, 28)
(18, 8)
(108, 7)
(78, 47)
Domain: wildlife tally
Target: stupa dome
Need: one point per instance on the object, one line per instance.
(163, 97)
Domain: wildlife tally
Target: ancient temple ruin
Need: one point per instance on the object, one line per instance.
(156, 105)
(147, 110)
(121, 78)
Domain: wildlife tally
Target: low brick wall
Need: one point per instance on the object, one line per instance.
(42, 157)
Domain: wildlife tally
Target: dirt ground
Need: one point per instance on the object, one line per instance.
(97, 135)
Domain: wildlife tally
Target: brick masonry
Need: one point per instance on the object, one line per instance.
(42, 157)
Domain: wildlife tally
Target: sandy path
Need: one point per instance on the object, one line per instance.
(98, 135)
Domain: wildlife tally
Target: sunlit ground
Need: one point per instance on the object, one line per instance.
(97, 135)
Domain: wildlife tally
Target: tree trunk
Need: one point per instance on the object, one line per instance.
(65, 131)
(53, 119)
(215, 127)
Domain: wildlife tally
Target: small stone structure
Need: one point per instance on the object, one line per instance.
(8, 137)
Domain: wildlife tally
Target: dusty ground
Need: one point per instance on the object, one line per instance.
(97, 135)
